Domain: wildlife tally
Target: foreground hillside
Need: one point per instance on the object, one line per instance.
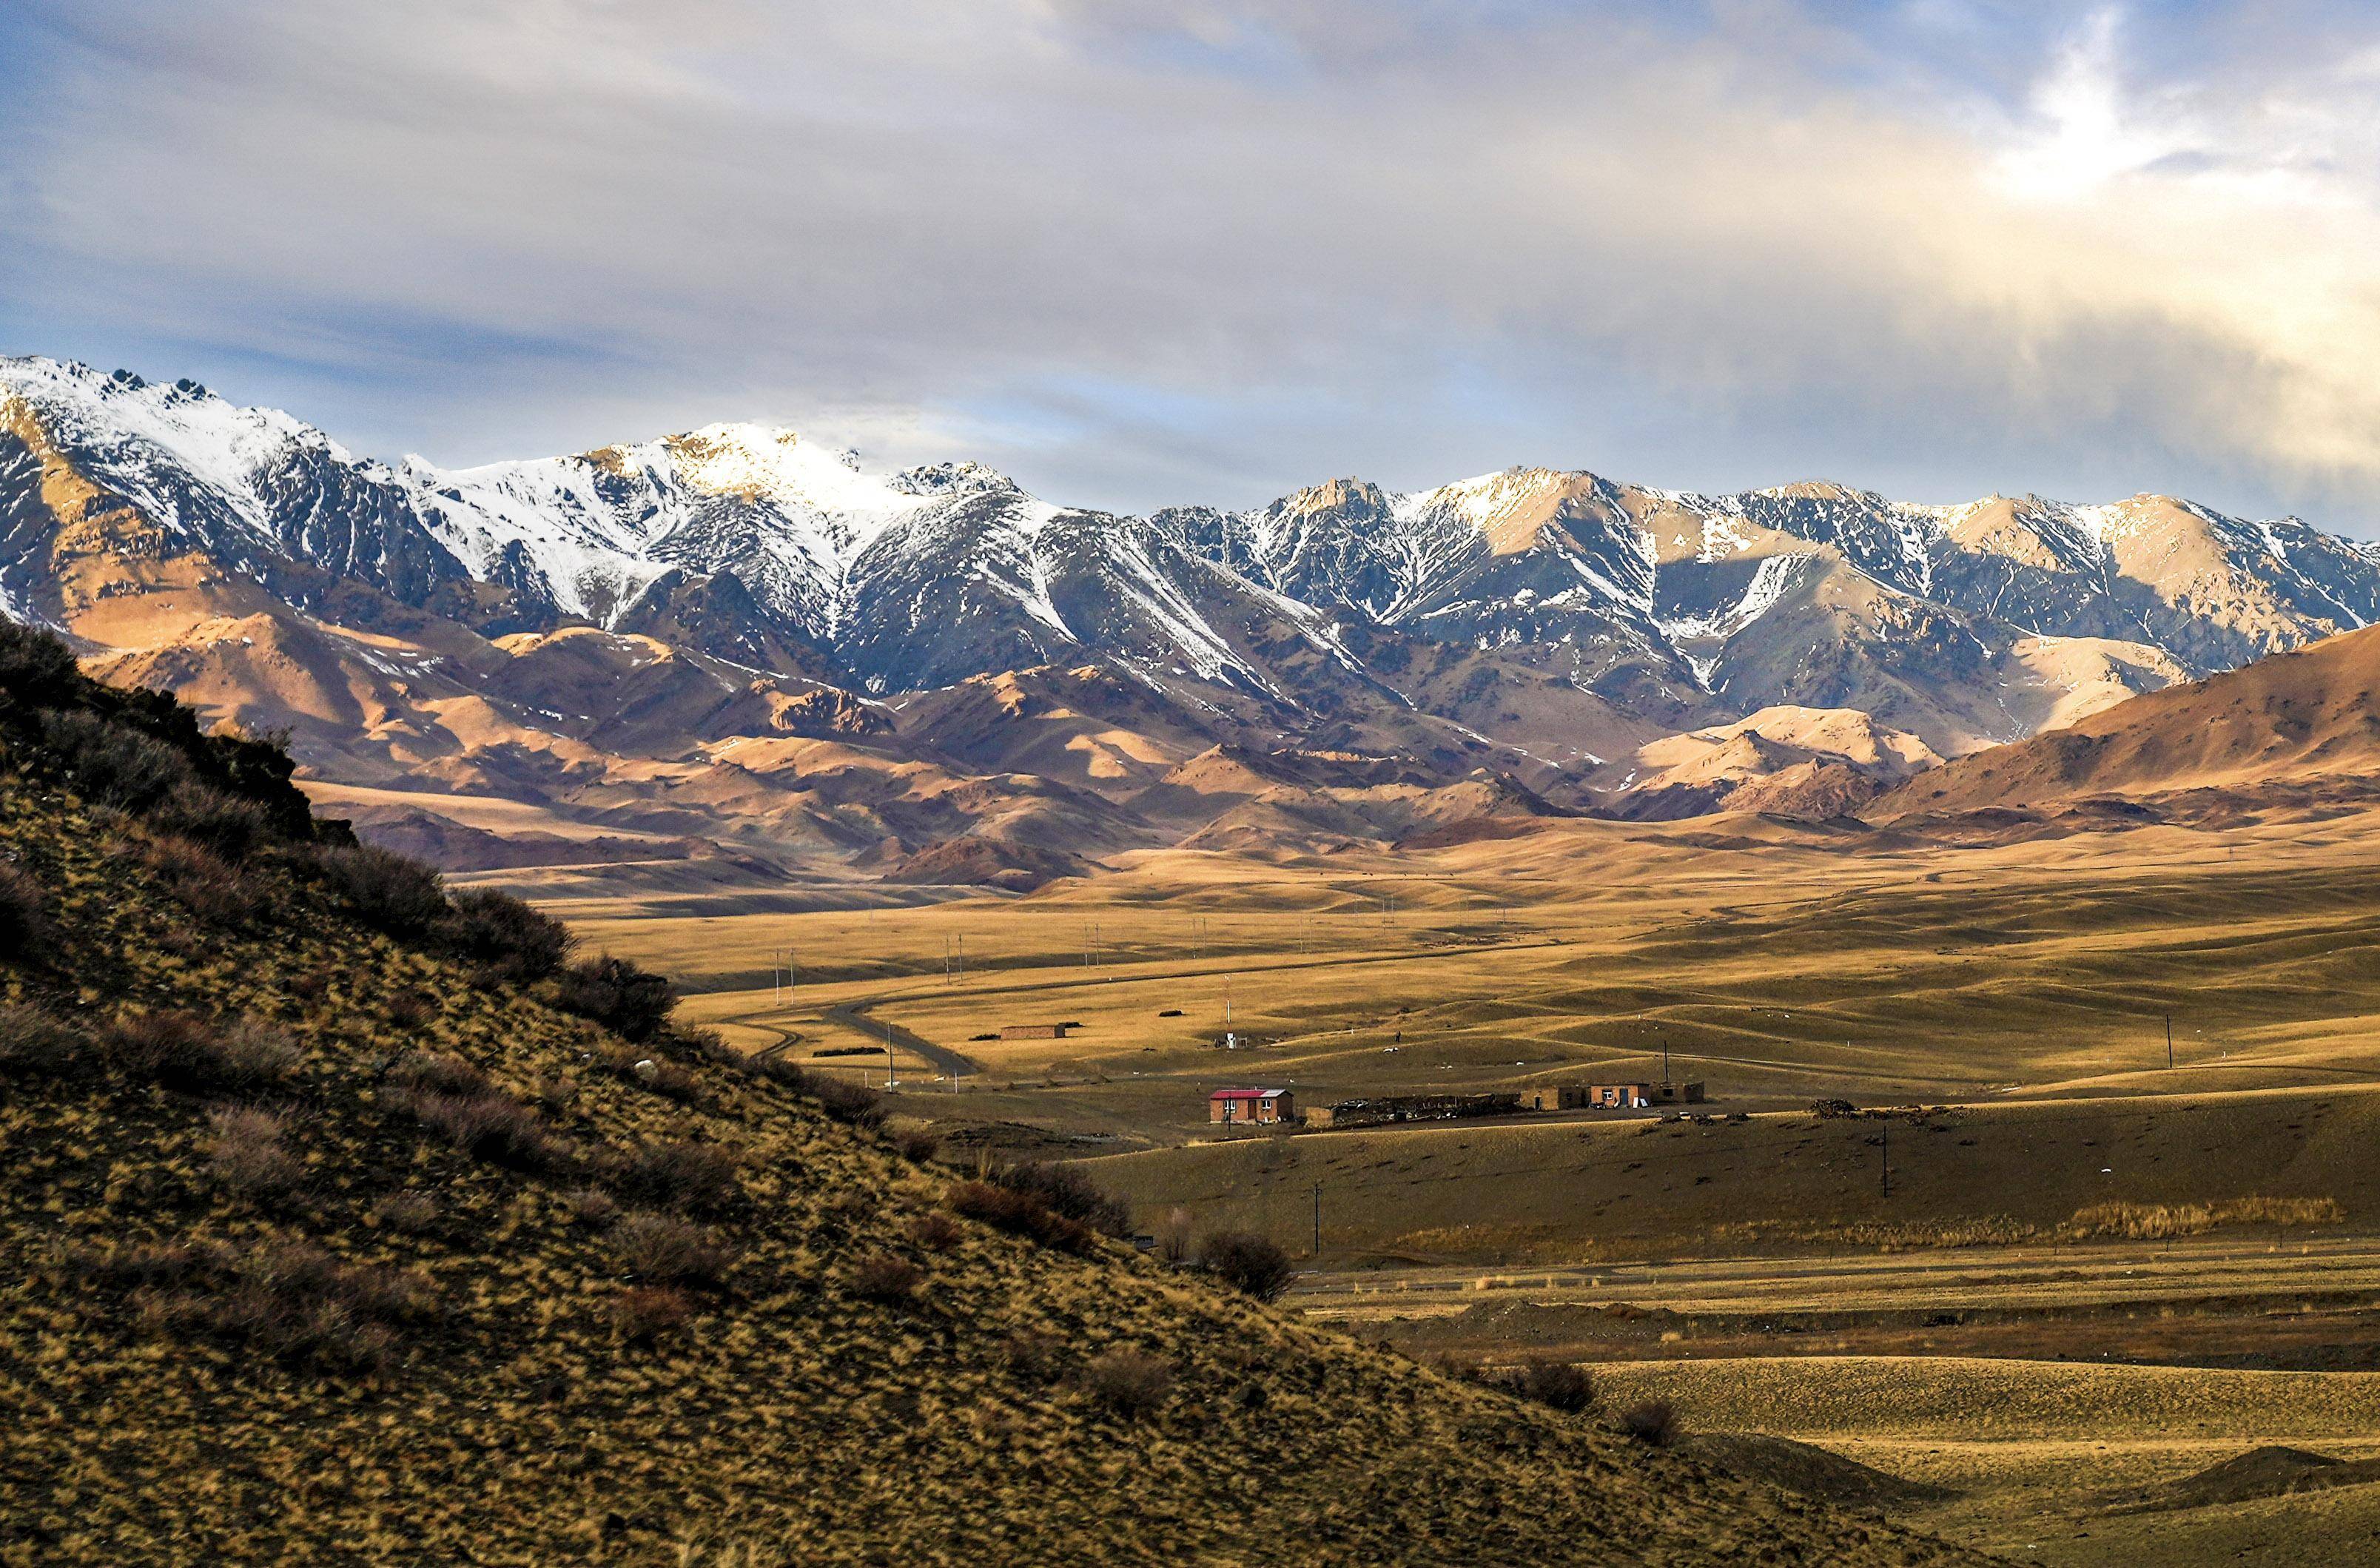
(348, 1245)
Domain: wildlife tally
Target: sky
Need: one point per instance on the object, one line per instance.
(1138, 254)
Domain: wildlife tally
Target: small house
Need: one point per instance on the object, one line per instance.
(1621, 1097)
(1672, 1094)
(1034, 1031)
(1554, 1097)
(1260, 1107)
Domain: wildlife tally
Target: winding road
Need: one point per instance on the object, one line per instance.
(853, 1016)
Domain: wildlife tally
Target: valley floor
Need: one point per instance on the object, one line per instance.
(1941, 1286)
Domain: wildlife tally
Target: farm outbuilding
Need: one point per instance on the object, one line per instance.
(1625, 1096)
(1261, 1107)
(1554, 1097)
(1034, 1031)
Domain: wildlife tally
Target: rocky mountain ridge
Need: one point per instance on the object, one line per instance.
(1538, 624)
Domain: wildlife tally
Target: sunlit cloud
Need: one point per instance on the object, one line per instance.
(1145, 252)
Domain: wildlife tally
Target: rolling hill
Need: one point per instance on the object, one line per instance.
(356, 1224)
(2306, 719)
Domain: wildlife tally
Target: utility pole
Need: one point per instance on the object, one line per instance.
(889, 1079)
(1317, 1219)
(2168, 1042)
(1227, 1002)
(1887, 1158)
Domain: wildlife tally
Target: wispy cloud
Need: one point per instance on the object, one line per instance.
(1141, 251)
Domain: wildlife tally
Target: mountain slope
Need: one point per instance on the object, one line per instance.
(2307, 715)
(336, 1248)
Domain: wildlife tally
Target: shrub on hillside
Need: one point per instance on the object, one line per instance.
(642, 1314)
(35, 666)
(36, 1043)
(694, 1177)
(288, 1299)
(1653, 1423)
(202, 881)
(244, 1153)
(630, 1002)
(491, 1126)
(1019, 1213)
(504, 936)
(1129, 1383)
(935, 1231)
(666, 1249)
(224, 824)
(854, 1104)
(400, 896)
(886, 1279)
(110, 763)
(1249, 1264)
(184, 1051)
(1070, 1193)
(24, 914)
(455, 1100)
(1557, 1385)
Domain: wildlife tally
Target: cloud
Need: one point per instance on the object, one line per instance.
(1144, 252)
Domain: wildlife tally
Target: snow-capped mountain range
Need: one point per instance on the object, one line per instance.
(1540, 613)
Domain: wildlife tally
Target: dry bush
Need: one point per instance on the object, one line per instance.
(411, 1011)
(384, 889)
(630, 1002)
(1018, 1213)
(886, 1279)
(185, 1052)
(1176, 1233)
(504, 936)
(409, 1213)
(1557, 1385)
(438, 1071)
(643, 1313)
(244, 1153)
(1129, 1383)
(223, 824)
(935, 1231)
(25, 925)
(1653, 1423)
(667, 1249)
(1069, 1191)
(1249, 1264)
(1034, 1356)
(206, 884)
(591, 1206)
(110, 763)
(488, 1126)
(916, 1144)
(557, 1092)
(692, 1177)
(36, 1043)
(36, 666)
(284, 1299)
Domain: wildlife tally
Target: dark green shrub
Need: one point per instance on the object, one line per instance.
(400, 896)
(37, 1044)
(504, 936)
(110, 763)
(1653, 1423)
(630, 1002)
(184, 1051)
(24, 914)
(1557, 1385)
(224, 824)
(1249, 1264)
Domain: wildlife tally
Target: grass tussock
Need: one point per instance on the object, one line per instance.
(2158, 1222)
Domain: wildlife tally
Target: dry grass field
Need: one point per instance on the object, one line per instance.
(1986, 1324)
